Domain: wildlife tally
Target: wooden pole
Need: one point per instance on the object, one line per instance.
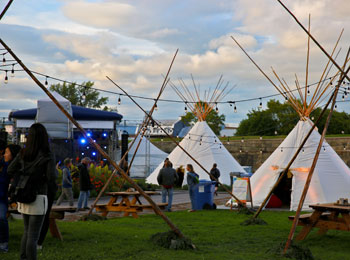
(145, 123)
(5, 9)
(98, 148)
(309, 177)
(177, 144)
(314, 40)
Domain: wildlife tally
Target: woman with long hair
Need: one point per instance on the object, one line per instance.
(35, 160)
(11, 152)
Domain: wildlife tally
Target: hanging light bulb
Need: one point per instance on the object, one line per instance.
(281, 149)
(155, 107)
(346, 94)
(242, 141)
(240, 150)
(308, 91)
(261, 151)
(13, 71)
(324, 148)
(303, 150)
(344, 148)
(185, 109)
(216, 109)
(286, 98)
(119, 100)
(84, 94)
(234, 107)
(3, 59)
(275, 132)
(260, 105)
(6, 78)
(220, 146)
(46, 83)
(335, 107)
(260, 137)
(342, 98)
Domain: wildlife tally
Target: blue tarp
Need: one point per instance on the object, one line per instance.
(79, 113)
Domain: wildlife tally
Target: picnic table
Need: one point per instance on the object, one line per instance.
(325, 216)
(57, 212)
(129, 203)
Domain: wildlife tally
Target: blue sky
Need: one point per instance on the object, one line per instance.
(133, 43)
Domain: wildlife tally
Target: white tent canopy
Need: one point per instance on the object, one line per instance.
(206, 148)
(56, 123)
(331, 178)
(147, 158)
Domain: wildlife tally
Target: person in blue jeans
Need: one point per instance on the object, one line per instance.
(11, 152)
(84, 184)
(192, 182)
(167, 177)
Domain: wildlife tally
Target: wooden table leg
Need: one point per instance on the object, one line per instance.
(333, 216)
(110, 203)
(346, 218)
(306, 229)
(54, 230)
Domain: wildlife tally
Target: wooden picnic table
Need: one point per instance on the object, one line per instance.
(325, 216)
(126, 205)
(57, 212)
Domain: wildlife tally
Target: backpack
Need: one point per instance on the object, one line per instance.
(23, 187)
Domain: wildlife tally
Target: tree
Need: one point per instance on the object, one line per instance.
(214, 120)
(281, 117)
(82, 95)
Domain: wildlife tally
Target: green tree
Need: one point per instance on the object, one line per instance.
(281, 117)
(83, 95)
(214, 120)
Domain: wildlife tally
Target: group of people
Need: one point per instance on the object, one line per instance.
(169, 178)
(34, 166)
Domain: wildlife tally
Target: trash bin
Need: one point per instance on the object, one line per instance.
(205, 194)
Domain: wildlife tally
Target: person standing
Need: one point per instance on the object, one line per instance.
(36, 161)
(192, 181)
(167, 177)
(84, 184)
(181, 173)
(214, 172)
(66, 183)
(11, 152)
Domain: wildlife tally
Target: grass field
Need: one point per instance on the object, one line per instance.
(217, 235)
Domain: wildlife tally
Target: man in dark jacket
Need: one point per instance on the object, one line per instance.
(84, 184)
(167, 177)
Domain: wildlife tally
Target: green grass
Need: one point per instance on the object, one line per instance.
(217, 235)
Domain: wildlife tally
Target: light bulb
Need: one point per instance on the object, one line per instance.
(119, 101)
(12, 71)
(6, 78)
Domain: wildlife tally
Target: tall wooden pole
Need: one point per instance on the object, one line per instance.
(98, 148)
(309, 177)
(5, 9)
(145, 123)
(178, 144)
(314, 40)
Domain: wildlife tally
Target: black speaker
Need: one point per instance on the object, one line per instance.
(125, 137)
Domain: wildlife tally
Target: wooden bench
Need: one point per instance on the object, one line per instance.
(304, 219)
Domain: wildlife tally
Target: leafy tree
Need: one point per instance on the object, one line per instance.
(82, 95)
(214, 120)
(281, 117)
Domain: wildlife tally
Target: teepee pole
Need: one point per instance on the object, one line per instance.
(98, 148)
(5, 9)
(307, 63)
(178, 144)
(309, 177)
(315, 41)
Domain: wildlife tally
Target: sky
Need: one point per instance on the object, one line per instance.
(133, 43)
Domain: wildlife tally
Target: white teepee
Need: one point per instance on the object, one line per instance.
(331, 179)
(147, 158)
(206, 148)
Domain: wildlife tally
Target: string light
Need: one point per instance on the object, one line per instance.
(46, 83)
(155, 107)
(3, 59)
(261, 151)
(308, 91)
(13, 71)
(240, 150)
(6, 78)
(216, 109)
(234, 108)
(346, 94)
(335, 107)
(343, 98)
(260, 137)
(84, 93)
(303, 150)
(242, 141)
(260, 105)
(281, 149)
(119, 100)
(344, 148)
